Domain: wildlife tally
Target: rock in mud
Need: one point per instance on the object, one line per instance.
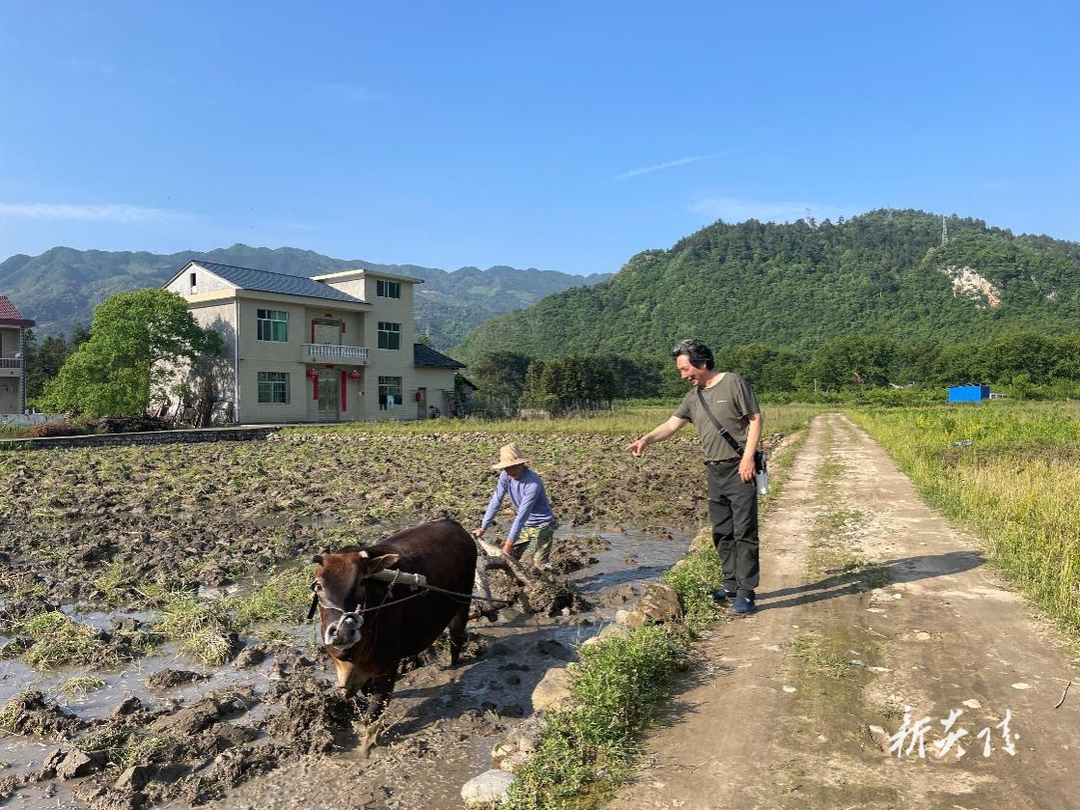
(553, 691)
(189, 721)
(489, 788)
(171, 678)
(250, 656)
(76, 764)
(659, 604)
(128, 706)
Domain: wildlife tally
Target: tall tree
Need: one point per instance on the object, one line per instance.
(138, 341)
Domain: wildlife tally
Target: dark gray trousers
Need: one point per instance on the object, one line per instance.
(734, 516)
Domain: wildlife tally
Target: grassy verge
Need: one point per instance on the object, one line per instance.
(1009, 474)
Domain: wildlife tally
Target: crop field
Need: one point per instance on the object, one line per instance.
(194, 559)
(1010, 472)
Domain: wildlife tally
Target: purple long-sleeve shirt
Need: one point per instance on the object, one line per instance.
(528, 497)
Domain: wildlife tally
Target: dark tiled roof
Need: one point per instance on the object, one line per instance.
(427, 357)
(247, 278)
(10, 316)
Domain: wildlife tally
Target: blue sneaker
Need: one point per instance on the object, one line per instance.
(742, 606)
(723, 595)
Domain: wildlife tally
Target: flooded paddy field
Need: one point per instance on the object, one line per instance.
(152, 603)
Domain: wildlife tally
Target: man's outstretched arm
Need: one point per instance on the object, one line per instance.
(657, 434)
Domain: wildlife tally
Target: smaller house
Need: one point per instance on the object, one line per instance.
(13, 328)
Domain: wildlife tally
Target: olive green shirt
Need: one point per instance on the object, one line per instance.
(731, 401)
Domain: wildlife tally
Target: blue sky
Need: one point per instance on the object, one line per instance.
(558, 135)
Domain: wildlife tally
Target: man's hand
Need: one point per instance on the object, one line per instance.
(746, 469)
(478, 533)
(508, 547)
(637, 447)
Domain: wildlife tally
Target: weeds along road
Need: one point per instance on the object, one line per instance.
(870, 603)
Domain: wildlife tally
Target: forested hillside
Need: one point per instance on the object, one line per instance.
(798, 286)
(61, 287)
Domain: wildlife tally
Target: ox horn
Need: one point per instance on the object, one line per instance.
(317, 559)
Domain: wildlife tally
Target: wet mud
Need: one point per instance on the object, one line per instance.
(253, 733)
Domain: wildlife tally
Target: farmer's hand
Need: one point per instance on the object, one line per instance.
(746, 469)
(637, 447)
(508, 547)
(479, 532)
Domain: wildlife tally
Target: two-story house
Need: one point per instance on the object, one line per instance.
(330, 348)
(12, 368)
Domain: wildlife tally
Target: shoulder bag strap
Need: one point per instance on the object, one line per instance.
(722, 430)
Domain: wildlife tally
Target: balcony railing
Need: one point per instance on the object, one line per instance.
(333, 353)
(16, 362)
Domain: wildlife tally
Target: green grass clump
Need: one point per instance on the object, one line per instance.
(284, 597)
(81, 685)
(817, 658)
(201, 626)
(57, 641)
(584, 751)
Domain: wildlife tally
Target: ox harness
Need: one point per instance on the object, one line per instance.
(416, 582)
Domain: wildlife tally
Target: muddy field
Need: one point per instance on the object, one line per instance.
(152, 646)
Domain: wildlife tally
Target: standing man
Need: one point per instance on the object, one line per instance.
(727, 399)
(534, 524)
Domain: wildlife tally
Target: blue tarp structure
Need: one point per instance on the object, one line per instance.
(969, 393)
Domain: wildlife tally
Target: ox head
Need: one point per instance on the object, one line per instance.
(338, 593)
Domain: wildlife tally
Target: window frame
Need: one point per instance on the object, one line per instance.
(386, 388)
(263, 318)
(271, 386)
(389, 333)
(384, 288)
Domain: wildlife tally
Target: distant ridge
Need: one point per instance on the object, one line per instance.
(800, 285)
(60, 287)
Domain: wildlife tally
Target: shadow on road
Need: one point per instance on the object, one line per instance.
(844, 583)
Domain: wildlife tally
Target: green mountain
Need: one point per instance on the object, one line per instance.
(800, 285)
(61, 287)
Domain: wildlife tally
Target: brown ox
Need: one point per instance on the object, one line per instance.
(369, 625)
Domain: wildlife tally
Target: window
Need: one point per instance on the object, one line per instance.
(274, 387)
(387, 289)
(192, 278)
(273, 325)
(389, 392)
(389, 335)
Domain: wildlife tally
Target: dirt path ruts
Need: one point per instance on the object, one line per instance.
(869, 602)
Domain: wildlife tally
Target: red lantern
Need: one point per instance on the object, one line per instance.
(313, 373)
(354, 375)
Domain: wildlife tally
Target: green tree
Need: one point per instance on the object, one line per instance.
(139, 341)
(500, 376)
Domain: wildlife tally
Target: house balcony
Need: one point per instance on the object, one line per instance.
(12, 367)
(334, 353)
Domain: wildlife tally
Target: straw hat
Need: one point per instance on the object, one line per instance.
(509, 455)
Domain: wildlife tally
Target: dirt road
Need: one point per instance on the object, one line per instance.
(870, 603)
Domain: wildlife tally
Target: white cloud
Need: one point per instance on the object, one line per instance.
(103, 212)
(673, 163)
(731, 209)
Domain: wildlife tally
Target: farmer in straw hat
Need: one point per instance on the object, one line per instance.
(534, 524)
